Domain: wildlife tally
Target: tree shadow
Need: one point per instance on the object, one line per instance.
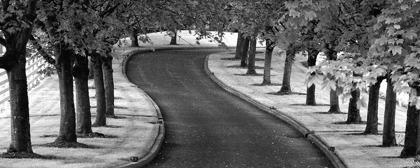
(24, 155)
(345, 123)
(236, 66)
(108, 126)
(364, 134)
(49, 136)
(241, 67)
(330, 112)
(231, 59)
(115, 117)
(96, 135)
(309, 105)
(288, 93)
(120, 107)
(60, 144)
(249, 74)
(272, 84)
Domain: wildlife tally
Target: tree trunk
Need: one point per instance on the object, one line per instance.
(310, 91)
(287, 73)
(372, 113)
(244, 52)
(411, 141)
(251, 58)
(353, 115)
(18, 89)
(67, 131)
(269, 47)
(100, 91)
(109, 85)
(174, 37)
(334, 100)
(134, 38)
(83, 115)
(91, 71)
(388, 137)
(239, 45)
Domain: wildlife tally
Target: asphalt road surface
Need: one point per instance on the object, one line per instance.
(209, 127)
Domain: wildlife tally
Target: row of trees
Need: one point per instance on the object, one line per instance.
(377, 39)
(67, 34)
(365, 42)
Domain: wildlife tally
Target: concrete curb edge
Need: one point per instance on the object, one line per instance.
(309, 134)
(151, 154)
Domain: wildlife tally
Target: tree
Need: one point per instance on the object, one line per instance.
(269, 47)
(334, 100)
(353, 114)
(251, 58)
(108, 85)
(134, 38)
(70, 34)
(310, 90)
(411, 142)
(174, 35)
(312, 46)
(372, 114)
(239, 45)
(100, 90)
(291, 52)
(244, 51)
(388, 138)
(81, 76)
(16, 26)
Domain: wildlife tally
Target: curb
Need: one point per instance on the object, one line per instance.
(336, 160)
(151, 154)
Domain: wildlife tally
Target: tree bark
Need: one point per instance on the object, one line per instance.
(353, 115)
(109, 85)
(134, 38)
(239, 45)
(269, 47)
(251, 58)
(372, 112)
(244, 51)
(310, 91)
(100, 91)
(67, 131)
(19, 104)
(83, 114)
(388, 137)
(287, 73)
(174, 37)
(411, 141)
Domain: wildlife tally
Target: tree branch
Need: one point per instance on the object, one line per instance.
(41, 51)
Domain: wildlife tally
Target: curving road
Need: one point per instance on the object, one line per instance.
(209, 127)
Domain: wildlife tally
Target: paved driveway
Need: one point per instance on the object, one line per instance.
(207, 126)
